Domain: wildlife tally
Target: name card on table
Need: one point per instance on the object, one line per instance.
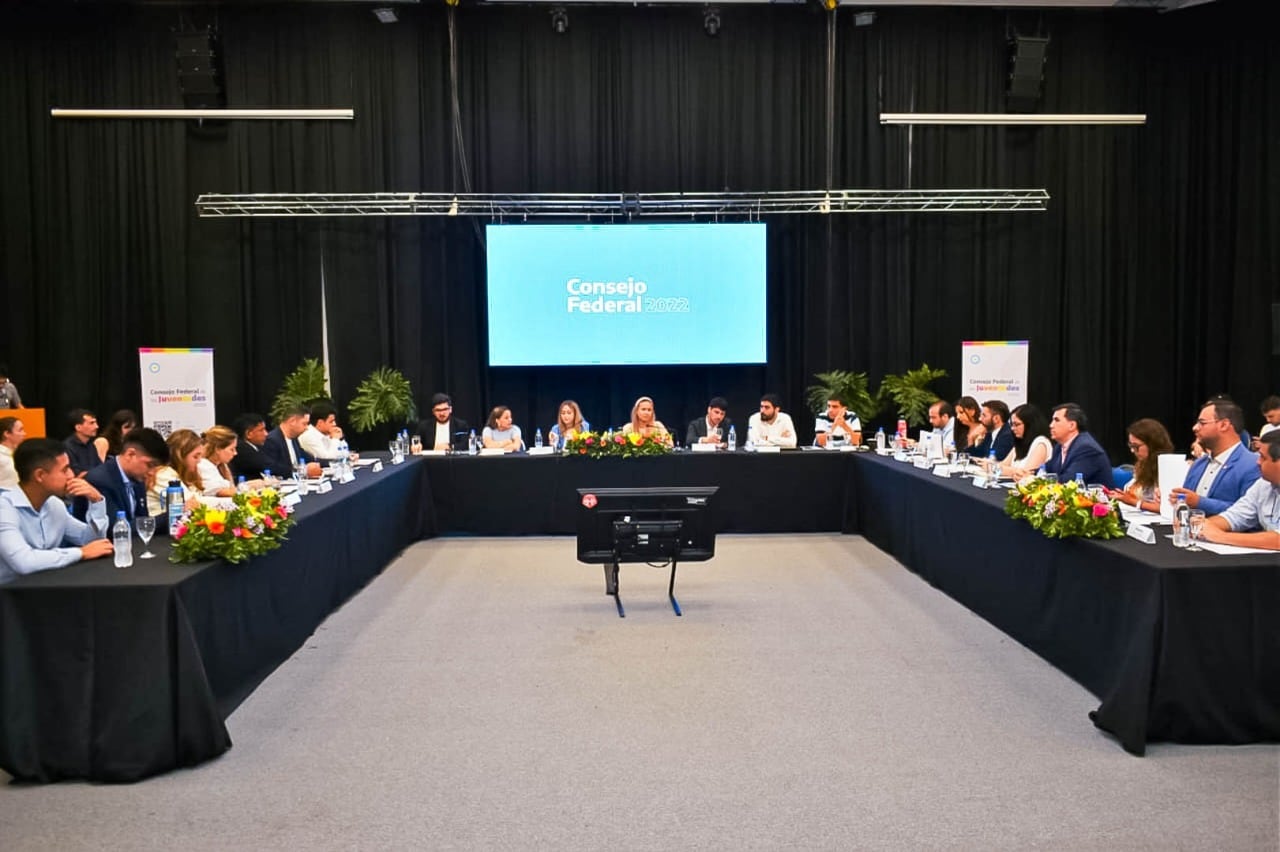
(432, 453)
(921, 462)
(493, 451)
(324, 486)
(703, 448)
(979, 481)
(1142, 533)
(766, 448)
(542, 451)
(291, 499)
(943, 470)
(348, 475)
(377, 466)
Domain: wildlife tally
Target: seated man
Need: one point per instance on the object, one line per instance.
(12, 433)
(942, 417)
(771, 426)
(9, 397)
(839, 426)
(280, 447)
(712, 428)
(999, 437)
(443, 431)
(319, 441)
(122, 479)
(250, 461)
(1225, 470)
(36, 532)
(80, 449)
(1254, 519)
(1271, 414)
(1075, 450)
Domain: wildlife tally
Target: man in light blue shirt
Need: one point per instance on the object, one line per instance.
(1254, 519)
(36, 531)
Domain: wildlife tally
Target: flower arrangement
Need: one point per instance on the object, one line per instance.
(601, 444)
(1064, 509)
(255, 523)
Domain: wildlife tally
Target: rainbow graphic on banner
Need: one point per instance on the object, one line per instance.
(995, 369)
(177, 388)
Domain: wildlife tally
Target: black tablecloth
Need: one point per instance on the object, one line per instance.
(117, 674)
(795, 491)
(1178, 646)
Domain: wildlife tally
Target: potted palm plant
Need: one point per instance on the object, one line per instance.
(303, 386)
(845, 385)
(383, 397)
(910, 393)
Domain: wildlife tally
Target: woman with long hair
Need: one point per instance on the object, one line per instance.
(1031, 444)
(186, 451)
(645, 423)
(215, 470)
(569, 422)
(109, 442)
(1147, 439)
(969, 430)
(500, 433)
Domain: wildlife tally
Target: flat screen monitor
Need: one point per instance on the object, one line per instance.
(645, 524)
(651, 294)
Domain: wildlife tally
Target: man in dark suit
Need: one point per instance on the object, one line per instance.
(250, 461)
(1075, 450)
(121, 479)
(999, 437)
(712, 428)
(1226, 469)
(442, 430)
(280, 448)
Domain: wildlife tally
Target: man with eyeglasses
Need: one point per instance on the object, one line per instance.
(121, 480)
(1225, 471)
(1254, 519)
(443, 431)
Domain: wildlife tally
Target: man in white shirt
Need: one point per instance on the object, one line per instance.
(12, 433)
(1254, 519)
(840, 426)
(1271, 414)
(36, 531)
(771, 426)
(319, 440)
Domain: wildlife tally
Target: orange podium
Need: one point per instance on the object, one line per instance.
(32, 419)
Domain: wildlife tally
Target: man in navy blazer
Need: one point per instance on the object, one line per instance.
(1227, 468)
(1075, 450)
(121, 479)
(284, 438)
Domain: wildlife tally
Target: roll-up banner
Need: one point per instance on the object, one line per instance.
(177, 389)
(994, 369)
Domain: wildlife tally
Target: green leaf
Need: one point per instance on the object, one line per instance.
(910, 393)
(303, 386)
(384, 396)
(849, 386)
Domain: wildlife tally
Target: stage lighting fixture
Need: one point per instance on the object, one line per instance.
(711, 21)
(864, 19)
(559, 19)
(386, 15)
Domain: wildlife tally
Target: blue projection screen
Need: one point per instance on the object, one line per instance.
(626, 294)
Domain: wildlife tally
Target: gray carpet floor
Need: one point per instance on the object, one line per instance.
(483, 694)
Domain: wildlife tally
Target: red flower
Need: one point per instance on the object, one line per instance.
(216, 528)
(270, 524)
(582, 452)
(619, 440)
(591, 440)
(1101, 510)
(282, 511)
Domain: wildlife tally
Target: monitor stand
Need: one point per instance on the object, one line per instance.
(611, 585)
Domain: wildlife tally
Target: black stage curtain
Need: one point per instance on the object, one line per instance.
(1143, 289)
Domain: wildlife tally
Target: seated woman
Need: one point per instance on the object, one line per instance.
(186, 451)
(644, 423)
(1147, 439)
(568, 423)
(215, 474)
(1031, 444)
(501, 433)
(108, 443)
(969, 429)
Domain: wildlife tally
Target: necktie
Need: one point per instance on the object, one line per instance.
(133, 499)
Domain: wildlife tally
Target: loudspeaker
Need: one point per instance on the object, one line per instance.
(199, 63)
(1026, 72)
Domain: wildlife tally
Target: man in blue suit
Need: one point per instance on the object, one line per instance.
(1225, 471)
(1075, 450)
(122, 479)
(281, 448)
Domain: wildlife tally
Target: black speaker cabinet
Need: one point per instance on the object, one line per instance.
(1026, 72)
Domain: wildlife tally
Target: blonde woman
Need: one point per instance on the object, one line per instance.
(569, 422)
(215, 474)
(186, 451)
(644, 423)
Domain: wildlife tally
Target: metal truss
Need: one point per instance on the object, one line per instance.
(500, 206)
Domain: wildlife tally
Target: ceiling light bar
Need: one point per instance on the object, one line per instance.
(626, 206)
(1009, 118)
(320, 114)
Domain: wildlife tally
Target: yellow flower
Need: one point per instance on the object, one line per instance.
(215, 516)
(634, 438)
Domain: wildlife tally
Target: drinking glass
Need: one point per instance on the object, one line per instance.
(146, 526)
(1196, 524)
(300, 477)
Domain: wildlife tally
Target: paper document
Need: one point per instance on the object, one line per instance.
(1173, 471)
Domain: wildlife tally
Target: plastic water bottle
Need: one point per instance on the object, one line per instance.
(1182, 523)
(993, 470)
(1080, 486)
(537, 438)
(344, 458)
(471, 443)
(267, 477)
(173, 503)
(122, 540)
(733, 439)
(880, 439)
(241, 486)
